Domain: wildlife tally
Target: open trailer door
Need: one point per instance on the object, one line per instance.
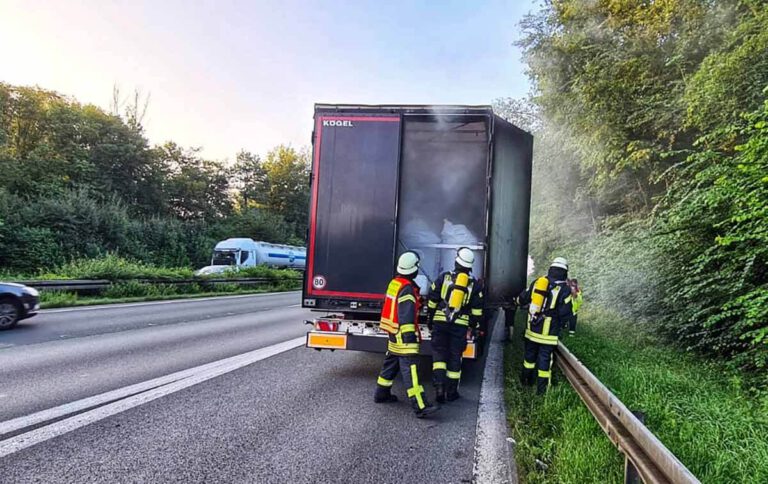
(353, 209)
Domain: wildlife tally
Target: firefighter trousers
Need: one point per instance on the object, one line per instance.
(449, 341)
(407, 367)
(538, 365)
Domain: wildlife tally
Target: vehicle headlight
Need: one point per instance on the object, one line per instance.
(31, 291)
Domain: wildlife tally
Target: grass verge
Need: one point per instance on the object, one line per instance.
(697, 408)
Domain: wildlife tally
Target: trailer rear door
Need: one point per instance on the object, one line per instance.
(354, 205)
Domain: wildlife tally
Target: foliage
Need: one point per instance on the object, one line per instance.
(718, 210)
(114, 268)
(79, 182)
(647, 174)
(698, 409)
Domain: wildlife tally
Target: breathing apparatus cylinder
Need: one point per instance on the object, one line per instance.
(458, 291)
(537, 298)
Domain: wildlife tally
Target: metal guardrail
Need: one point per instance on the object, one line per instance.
(652, 460)
(98, 285)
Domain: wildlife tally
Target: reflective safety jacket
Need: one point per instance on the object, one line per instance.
(578, 299)
(399, 317)
(556, 311)
(471, 310)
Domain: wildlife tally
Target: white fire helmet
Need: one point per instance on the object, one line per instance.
(465, 257)
(560, 262)
(408, 263)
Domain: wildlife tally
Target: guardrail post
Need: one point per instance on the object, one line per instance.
(631, 476)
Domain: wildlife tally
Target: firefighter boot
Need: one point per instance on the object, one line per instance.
(528, 377)
(439, 393)
(428, 409)
(384, 395)
(452, 390)
(542, 384)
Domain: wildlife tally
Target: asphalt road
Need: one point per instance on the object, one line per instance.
(298, 416)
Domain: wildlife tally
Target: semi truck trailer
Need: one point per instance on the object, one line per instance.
(386, 179)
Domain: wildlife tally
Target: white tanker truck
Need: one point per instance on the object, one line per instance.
(241, 252)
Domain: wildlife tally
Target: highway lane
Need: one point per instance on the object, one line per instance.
(299, 416)
(55, 324)
(111, 347)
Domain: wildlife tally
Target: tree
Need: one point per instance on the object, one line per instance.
(287, 190)
(196, 188)
(250, 179)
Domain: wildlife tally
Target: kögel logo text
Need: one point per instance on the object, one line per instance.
(338, 123)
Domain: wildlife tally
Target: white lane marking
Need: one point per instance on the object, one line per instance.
(28, 439)
(293, 306)
(493, 461)
(157, 303)
(96, 400)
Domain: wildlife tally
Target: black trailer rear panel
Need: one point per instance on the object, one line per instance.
(386, 179)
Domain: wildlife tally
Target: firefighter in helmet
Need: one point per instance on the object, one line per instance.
(549, 309)
(399, 319)
(454, 307)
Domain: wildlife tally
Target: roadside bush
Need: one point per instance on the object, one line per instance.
(136, 289)
(112, 267)
(58, 299)
(272, 274)
(29, 248)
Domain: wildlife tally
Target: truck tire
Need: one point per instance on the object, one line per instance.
(10, 313)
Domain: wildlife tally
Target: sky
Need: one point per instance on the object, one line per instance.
(228, 75)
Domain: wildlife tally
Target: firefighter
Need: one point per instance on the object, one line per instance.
(399, 319)
(549, 301)
(454, 307)
(576, 300)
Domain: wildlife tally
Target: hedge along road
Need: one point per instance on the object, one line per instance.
(287, 415)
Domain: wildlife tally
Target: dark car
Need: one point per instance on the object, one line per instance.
(17, 302)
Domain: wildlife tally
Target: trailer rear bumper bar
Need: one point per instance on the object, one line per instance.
(339, 340)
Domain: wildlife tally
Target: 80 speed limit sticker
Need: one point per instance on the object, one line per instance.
(318, 282)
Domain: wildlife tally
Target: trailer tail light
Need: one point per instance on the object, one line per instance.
(321, 325)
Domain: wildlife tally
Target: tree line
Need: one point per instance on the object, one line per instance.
(651, 163)
(79, 182)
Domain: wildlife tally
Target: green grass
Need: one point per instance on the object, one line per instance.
(114, 268)
(697, 408)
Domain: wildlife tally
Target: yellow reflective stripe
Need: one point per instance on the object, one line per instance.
(416, 390)
(403, 348)
(545, 328)
(567, 300)
(384, 382)
(545, 374)
(393, 288)
(453, 375)
(407, 297)
(529, 365)
(439, 365)
(463, 321)
(431, 304)
(538, 338)
(555, 293)
(388, 325)
(444, 288)
(477, 312)
(407, 328)
(439, 316)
